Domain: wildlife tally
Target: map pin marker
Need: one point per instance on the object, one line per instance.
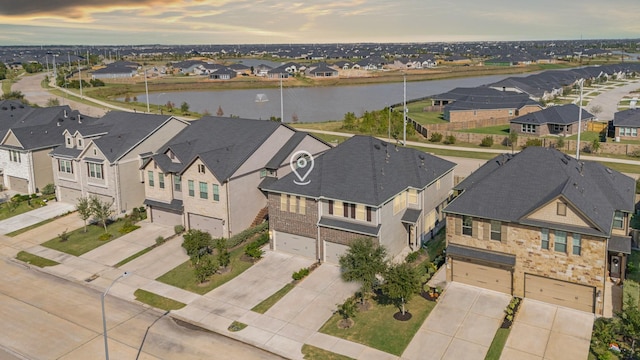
(301, 164)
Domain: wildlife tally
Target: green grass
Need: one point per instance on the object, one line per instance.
(631, 289)
(157, 301)
(267, 303)
(31, 227)
(135, 256)
(22, 208)
(436, 245)
(314, 353)
(585, 136)
(378, 329)
(81, 242)
(183, 275)
(424, 117)
(495, 350)
(236, 326)
(6, 86)
(35, 259)
(331, 139)
(490, 130)
(633, 261)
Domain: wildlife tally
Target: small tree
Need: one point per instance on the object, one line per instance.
(595, 110)
(560, 142)
(401, 282)
(629, 322)
(513, 139)
(101, 211)
(205, 268)
(595, 145)
(170, 106)
(347, 309)
(220, 112)
(224, 258)
(184, 107)
(83, 207)
(362, 262)
(294, 118)
(49, 189)
(127, 98)
(197, 243)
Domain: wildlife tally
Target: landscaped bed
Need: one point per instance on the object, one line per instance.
(35, 259)
(157, 301)
(315, 353)
(20, 204)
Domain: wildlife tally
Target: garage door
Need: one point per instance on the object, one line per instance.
(483, 276)
(69, 195)
(557, 292)
(165, 217)
(18, 184)
(333, 251)
(295, 244)
(204, 223)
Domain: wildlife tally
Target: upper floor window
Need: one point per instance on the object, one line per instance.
(618, 220)
(560, 241)
(150, 176)
(330, 207)
(95, 171)
(201, 168)
(413, 196)
(14, 156)
(161, 180)
(65, 166)
(216, 192)
(561, 209)
(467, 224)
(79, 142)
(399, 202)
(544, 239)
(204, 193)
(577, 244)
(496, 230)
(69, 141)
(177, 183)
(192, 191)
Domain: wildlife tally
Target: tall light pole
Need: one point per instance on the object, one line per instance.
(281, 102)
(146, 87)
(579, 121)
(104, 318)
(404, 112)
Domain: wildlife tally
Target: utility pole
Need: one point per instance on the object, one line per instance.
(80, 79)
(579, 121)
(281, 102)
(404, 112)
(146, 87)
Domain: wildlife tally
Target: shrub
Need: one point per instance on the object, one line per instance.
(178, 229)
(435, 137)
(348, 309)
(138, 214)
(160, 240)
(532, 142)
(224, 258)
(300, 274)
(205, 268)
(105, 237)
(127, 227)
(487, 141)
(450, 140)
(247, 234)
(48, 189)
(560, 143)
(64, 236)
(412, 257)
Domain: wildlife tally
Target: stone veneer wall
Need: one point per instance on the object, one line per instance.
(340, 236)
(293, 223)
(588, 268)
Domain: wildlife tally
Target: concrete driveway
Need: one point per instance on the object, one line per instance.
(32, 217)
(549, 332)
(461, 326)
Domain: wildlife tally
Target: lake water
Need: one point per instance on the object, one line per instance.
(311, 104)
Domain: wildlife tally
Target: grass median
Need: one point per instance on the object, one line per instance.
(80, 242)
(157, 301)
(35, 259)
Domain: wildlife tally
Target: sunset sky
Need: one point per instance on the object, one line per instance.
(123, 22)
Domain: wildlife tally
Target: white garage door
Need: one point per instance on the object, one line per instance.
(333, 251)
(204, 223)
(18, 184)
(557, 292)
(295, 244)
(69, 195)
(483, 276)
(165, 217)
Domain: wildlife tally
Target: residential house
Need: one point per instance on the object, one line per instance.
(103, 159)
(554, 120)
(322, 70)
(364, 187)
(626, 124)
(25, 146)
(223, 74)
(207, 177)
(115, 70)
(542, 225)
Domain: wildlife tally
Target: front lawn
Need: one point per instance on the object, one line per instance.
(633, 265)
(35, 259)
(424, 117)
(499, 340)
(157, 301)
(378, 329)
(12, 208)
(315, 353)
(489, 130)
(183, 276)
(80, 242)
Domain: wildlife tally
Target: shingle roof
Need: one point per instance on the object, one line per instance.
(628, 118)
(561, 115)
(478, 254)
(510, 187)
(366, 170)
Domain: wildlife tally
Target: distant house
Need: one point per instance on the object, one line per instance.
(322, 70)
(554, 120)
(223, 74)
(262, 70)
(626, 124)
(189, 66)
(118, 69)
(364, 187)
(104, 159)
(541, 225)
(207, 176)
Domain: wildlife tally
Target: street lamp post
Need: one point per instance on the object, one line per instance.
(579, 120)
(104, 318)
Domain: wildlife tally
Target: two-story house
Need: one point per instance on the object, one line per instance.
(26, 143)
(207, 177)
(540, 224)
(103, 159)
(364, 187)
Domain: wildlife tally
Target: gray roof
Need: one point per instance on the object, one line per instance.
(483, 255)
(366, 170)
(223, 144)
(359, 228)
(175, 204)
(282, 155)
(561, 115)
(411, 216)
(620, 244)
(627, 118)
(510, 187)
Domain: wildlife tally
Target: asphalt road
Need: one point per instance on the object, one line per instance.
(44, 317)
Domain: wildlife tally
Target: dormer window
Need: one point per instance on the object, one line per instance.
(561, 209)
(201, 168)
(618, 220)
(69, 141)
(79, 142)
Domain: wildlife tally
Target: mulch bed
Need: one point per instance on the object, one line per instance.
(402, 317)
(345, 323)
(506, 324)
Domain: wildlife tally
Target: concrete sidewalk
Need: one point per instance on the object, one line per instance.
(33, 217)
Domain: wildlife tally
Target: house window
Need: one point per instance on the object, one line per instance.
(467, 223)
(618, 220)
(330, 207)
(369, 213)
(95, 170)
(293, 206)
(68, 141)
(192, 191)
(560, 241)
(14, 156)
(263, 173)
(177, 183)
(544, 239)
(360, 212)
(150, 176)
(413, 196)
(65, 166)
(528, 128)
(561, 209)
(216, 192)
(161, 180)
(577, 244)
(204, 192)
(201, 168)
(79, 142)
(302, 205)
(496, 227)
(345, 209)
(283, 202)
(399, 203)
